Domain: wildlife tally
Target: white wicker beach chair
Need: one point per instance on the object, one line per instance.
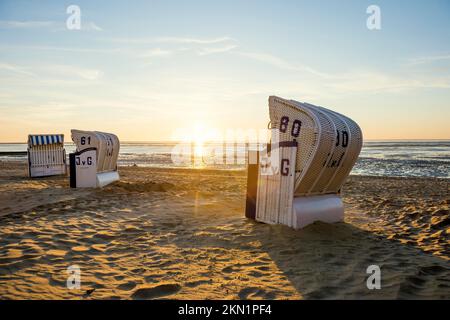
(96, 156)
(46, 155)
(327, 145)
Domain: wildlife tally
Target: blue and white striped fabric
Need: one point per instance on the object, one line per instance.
(44, 139)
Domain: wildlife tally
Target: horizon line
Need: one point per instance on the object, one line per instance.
(177, 141)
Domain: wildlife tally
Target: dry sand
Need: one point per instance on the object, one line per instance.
(181, 234)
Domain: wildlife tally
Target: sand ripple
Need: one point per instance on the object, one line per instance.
(163, 234)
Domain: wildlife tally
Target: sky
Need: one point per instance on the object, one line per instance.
(157, 70)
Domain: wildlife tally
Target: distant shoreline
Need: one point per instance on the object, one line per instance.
(175, 142)
(13, 153)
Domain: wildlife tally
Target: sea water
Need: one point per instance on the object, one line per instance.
(425, 158)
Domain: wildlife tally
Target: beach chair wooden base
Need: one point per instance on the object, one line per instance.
(47, 171)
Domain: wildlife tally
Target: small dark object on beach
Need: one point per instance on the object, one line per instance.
(89, 292)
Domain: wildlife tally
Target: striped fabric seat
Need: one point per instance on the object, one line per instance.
(45, 139)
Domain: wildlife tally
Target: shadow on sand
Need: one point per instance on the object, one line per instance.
(329, 261)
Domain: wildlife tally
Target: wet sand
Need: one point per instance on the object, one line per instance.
(182, 234)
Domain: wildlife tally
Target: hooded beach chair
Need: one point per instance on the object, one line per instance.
(46, 155)
(94, 164)
(298, 179)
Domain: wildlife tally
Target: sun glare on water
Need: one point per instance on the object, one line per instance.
(199, 149)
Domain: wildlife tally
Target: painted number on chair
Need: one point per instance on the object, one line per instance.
(83, 140)
(296, 126)
(342, 138)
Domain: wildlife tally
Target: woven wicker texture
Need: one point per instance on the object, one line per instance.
(328, 144)
(275, 189)
(107, 145)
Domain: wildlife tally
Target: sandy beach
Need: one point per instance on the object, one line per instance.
(182, 234)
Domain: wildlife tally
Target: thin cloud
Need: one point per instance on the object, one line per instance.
(373, 82)
(194, 40)
(69, 71)
(429, 59)
(63, 49)
(52, 25)
(207, 51)
(53, 71)
(15, 69)
(12, 24)
(363, 81)
(90, 26)
(282, 64)
(156, 52)
(172, 40)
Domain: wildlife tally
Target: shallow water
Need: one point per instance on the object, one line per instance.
(427, 158)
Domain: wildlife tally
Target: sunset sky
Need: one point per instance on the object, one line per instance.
(148, 70)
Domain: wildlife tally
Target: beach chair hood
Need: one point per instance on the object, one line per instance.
(328, 144)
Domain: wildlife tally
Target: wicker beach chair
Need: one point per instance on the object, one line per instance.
(94, 164)
(318, 148)
(46, 155)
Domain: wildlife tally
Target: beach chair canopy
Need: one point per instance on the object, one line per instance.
(328, 144)
(45, 139)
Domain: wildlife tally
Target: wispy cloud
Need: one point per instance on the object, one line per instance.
(282, 64)
(53, 71)
(52, 25)
(63, 49)
(90, 26)
(167, 46)
(156, 52)
(429, 59)
(69, 71)
(187, 40)
(357, 81)
(12, 24)
(172, 40)
(15, 69)
(377, 81)
(207, 51)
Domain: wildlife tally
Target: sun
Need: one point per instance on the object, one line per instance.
(198, 135)
(199, 149)
(198, 138)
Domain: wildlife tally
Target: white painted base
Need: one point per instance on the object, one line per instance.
(327, 208)
(45, 171)
(106, 178)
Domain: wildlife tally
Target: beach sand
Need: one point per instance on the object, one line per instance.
(182, 234)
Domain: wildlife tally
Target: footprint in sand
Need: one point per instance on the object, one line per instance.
(127, 286)
(156, 292)
(255, 273)
(193, 284)
(228, 269)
